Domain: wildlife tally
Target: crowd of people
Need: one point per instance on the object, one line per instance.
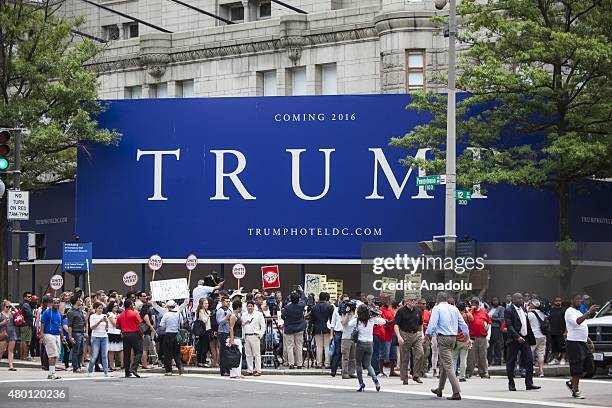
(450, 339)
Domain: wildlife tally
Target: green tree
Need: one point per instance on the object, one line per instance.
(45, 89)
(539, 103)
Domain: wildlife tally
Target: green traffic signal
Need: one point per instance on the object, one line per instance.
(3, 163)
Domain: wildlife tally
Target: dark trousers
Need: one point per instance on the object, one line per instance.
(203, 347)
(131, 341)
(223, 369)
(160, 339)
(513, 350)
(44, 359)
(172, 351)
(494, 353)
(376, 353)
(337, 356)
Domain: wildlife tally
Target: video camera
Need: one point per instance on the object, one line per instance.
(272, 305)
(347, 306)
(374, 311)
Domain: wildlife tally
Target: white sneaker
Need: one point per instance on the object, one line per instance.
(428, 375)
(541, 375)
(563, 362)
(555, 362)
(577, 395)
(90, 375)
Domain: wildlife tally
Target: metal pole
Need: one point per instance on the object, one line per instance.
(451, 151)
(16, 237)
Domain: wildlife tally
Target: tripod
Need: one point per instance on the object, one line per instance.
(273, 355)
(309, 351)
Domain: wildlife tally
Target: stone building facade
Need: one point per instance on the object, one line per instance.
(338, 47)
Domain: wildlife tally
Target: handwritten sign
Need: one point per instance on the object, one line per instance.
(163, 290)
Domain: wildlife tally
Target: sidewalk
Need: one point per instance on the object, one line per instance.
(549, 370)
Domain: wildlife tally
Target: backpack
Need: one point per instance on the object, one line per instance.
(182, 337)
(214, 325)
(544, 324)
(18, 319)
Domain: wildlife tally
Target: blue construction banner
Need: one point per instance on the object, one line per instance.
(76, 256)
(284, 178)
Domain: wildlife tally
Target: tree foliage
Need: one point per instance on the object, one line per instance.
(539, 97)
(45, 88)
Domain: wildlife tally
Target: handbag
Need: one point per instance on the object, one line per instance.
(198, 328)
(233, 357)
(355, 333)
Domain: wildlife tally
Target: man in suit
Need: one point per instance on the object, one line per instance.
(520, 339)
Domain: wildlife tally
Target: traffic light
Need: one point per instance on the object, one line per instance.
(5, 136)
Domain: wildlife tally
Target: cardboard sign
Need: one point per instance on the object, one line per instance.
(163, 290)
(130, 278)
(270, 277)
(56, 282)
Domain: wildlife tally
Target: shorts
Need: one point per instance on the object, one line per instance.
(580, 359)
(52, 345)
(557, 343)
(25, 333)
(540, 347)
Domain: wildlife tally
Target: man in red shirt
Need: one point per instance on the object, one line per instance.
(479, 328)
(129, 323)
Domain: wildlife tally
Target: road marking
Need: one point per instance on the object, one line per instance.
(471, 397)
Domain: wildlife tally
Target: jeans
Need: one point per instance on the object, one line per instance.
(363, 357)
(337, 356)
(377, 349)
(76, 353)
(461, 351)
(99, 348)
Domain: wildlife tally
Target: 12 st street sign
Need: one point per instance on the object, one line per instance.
(463, 196)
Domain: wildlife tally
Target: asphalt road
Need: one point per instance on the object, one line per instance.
(182, 392)
(155, 390)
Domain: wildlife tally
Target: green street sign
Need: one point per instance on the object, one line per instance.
(428, 181)
(463, 197)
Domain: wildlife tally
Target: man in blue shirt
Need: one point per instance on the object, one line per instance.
(51, 331)
(444, 322)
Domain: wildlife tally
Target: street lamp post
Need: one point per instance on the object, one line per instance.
(450, 209)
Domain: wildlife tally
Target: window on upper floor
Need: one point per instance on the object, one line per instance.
(130, 30)
(298, 81)
(158, 90)
(266, 83)
(264, 10)
(415, 70)
(236, 13)
(328, 78)
(110, 32)
(184, 89)
(133, 92)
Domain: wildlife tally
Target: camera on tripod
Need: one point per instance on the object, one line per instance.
(272, 305)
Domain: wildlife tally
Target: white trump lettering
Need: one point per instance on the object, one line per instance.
(295, 173)
(380, 159)
(157, 169)
(233, 176)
